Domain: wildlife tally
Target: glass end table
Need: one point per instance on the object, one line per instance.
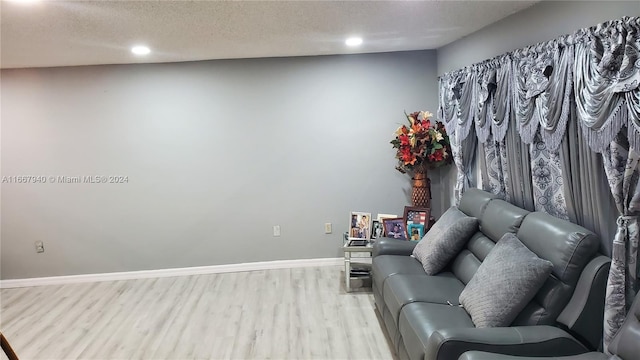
(350, 261)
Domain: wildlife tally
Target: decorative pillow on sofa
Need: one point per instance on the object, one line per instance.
(503, 285)
(444, 240)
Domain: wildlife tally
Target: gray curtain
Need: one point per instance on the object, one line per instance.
(589, 200)
(607, 76)
(464, 155)
(586, 83)
(520, 186)
(622, 167)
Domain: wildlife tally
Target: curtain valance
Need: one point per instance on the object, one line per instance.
(597, 67)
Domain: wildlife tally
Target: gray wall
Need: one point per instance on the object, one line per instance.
(216, 153)
(543, 21)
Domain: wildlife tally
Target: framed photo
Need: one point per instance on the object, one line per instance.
(415, 231)
(360, 225)
(395, 228)
(417, 216)
(381, 217)
(386, 216)
(377, 231)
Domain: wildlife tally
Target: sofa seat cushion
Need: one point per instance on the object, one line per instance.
(504, 284)
(386, 265)
(444, 240)
(400, 290)
(419, 320)
(479, 355)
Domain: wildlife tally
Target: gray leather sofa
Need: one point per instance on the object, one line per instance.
(420, 314)
(625, 345)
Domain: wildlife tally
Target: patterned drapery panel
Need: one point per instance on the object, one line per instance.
(621, 167)
(496, 172)
(547, 179)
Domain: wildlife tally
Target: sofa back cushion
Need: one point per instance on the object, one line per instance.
(569, 247)
(499, 217)
(474, 201)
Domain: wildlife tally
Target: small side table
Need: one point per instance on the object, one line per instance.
(348, 250)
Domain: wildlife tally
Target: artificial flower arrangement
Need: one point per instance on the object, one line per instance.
(421, 144)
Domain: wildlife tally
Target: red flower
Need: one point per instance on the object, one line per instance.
(404, 140)
(438, 155)
(409, 159)
(406, 155)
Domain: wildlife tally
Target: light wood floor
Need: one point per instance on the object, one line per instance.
(300, 313)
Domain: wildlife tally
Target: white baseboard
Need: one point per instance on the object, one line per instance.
(145, 274)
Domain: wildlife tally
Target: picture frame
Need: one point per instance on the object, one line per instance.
(386, 216)
(359, 225)
(395, 228)
(377, 230)
(415, 232)
(417, 215)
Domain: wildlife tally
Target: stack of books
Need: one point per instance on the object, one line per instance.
(360, 272)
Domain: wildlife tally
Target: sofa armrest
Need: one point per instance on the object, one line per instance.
(584, 313)
(388, 246)
(541, 340)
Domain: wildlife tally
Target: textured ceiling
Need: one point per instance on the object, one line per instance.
(61, 33)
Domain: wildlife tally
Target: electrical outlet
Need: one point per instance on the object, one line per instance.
(327, 228)
(39, 247)
(276, 230)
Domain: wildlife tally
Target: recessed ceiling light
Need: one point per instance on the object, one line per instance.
(353, 41)
(140, 50)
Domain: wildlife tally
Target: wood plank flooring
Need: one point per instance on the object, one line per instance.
(300, 313)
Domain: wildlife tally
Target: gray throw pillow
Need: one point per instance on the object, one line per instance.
(444, 240)
(503, 285)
